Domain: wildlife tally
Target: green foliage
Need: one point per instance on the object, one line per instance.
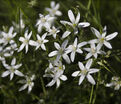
(98, 13)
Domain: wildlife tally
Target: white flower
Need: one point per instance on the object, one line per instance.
(44, 21)
(53, 31)
(20, 25)
(85, 71)
(28, 82)
(75, 22)
(12, 69)
(54, 9)
(116, 82)
(60, 52)
(25, 41)
(75, 48)
(93, 51)
(40, 41)
(55, 71)
(102, 38)
(7, 37)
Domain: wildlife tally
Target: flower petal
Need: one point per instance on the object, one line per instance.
(96, 32)
(75, 74)
(53, 53)
(88, 64)
(19, 73)
(111, 36)
(107, 44)
(90, 79)
(72, 56)
(65, 34)
(71, 16)
(63, 77)
(81, 79)
(57, 46)
(81, 66)
(4, 74)
(93, 70)
(83, 24)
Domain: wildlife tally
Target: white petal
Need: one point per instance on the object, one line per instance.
(44, 36)
(72, 56)
(81, 79)
(63, 77)
(13, 62)
(21, 39)
(93, 70)
(43, 47)
(88, 56)
(79, 51)
(93, 41)
(66, 58)
(75, 74)
(64, 44)
(65, 34)
(19, 73)
(52, 4)
(4, 74)
(11, 76)
(90, 79)
(26, 48)
(111, 36)
(53, 53)
(75, 42)
(71, 16)
(57, 46)
(108, 45)
(87, 49)
(83, 24)
(17, 66)
(58, 13)
(29, 36)
(66, 22)
(10, 30)
(57, 6)
(77, 18)
(96, 32)
(88, 64)
(21, 47)
(58, 83)
(81, 66)
(33, 43)
(109, 84)
(82, 44)
(23, 87)
(51, 83)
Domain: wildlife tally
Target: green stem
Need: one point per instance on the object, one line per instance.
(43, 87)
(88, 7)
(92, 90)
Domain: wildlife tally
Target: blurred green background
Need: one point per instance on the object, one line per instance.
(99, 13)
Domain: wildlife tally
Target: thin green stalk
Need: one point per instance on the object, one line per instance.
(88, 8)
(43, 87)
(92, 90)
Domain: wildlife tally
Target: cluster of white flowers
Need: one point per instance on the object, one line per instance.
(116, 82)
(56, 69)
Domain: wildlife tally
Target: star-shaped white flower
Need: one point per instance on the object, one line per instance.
(54, 9)
(116, 82)
(85, 71)
(25, 41)
(53, 32)
(60, 52)
(102, 38)
(93, 51)
(55, 71)
(44, 21)
(40, 42)
(75, 48)
(12, 69)
(28, 82)
(75, 22)
(7, 37)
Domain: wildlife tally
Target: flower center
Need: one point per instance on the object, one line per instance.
(74, 25)
(53, 11)
(102, 40)
(84, 72)
(93, 50)
(61, 51)
(74, 48)
(26, 41)
(40, 41)
(12, 70)
(43, 20)
(53, 31)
